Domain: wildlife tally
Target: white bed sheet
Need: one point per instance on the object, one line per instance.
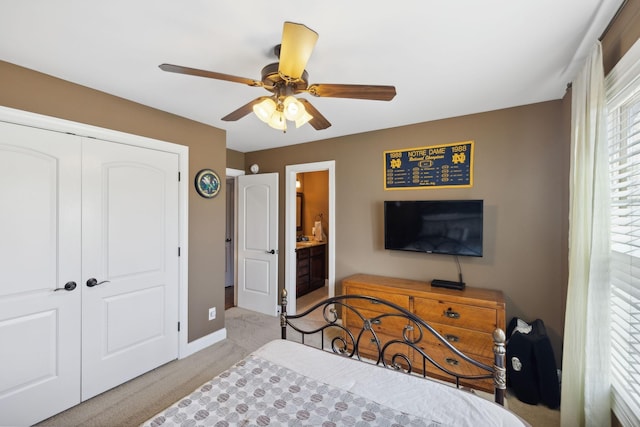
(410, 394)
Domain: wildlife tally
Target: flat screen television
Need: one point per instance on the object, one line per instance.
(451, 227)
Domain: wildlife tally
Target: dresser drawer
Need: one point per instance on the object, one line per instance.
(469, 342)
(461, 315)
(397, 299)
(455, 364)
(389, 325)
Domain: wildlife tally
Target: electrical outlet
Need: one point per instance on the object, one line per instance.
(212, 313)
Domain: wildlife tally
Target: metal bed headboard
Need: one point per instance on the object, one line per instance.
(347, 342)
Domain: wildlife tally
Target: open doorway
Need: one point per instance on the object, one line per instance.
(230, 291)
(291, 227)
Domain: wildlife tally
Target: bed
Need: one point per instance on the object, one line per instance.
(317, 375)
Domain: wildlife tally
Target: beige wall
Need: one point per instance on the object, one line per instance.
(521, 173)
(623, 32)
(235, 159)
(31, 91)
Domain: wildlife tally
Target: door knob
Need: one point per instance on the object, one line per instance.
(272, 251)
(93, 282)
(69, 286)
(227, 240)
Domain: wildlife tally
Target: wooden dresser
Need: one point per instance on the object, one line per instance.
(465, 318)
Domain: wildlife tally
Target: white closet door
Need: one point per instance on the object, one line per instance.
(39, 252)
(130, 248)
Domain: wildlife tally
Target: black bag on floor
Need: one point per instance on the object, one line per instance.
(531, 366)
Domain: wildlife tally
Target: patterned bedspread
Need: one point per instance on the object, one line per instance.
(257, 392)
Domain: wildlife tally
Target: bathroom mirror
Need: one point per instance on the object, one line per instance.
(299, 208)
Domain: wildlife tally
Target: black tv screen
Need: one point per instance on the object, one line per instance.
(452, 227)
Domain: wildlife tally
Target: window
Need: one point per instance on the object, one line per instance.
(623, 128)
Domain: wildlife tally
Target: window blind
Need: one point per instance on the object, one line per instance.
(623, 128)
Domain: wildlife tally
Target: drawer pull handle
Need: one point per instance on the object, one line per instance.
(452, 314)
(452, 338)
(452, 361)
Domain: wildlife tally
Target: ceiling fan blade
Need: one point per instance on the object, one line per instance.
(242, 111)
(376, 93)
(318, 122)
(210, 74)
(297, 44)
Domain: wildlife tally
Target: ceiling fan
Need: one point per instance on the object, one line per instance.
(287, 78)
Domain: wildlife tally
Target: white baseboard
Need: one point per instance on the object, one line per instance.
(204, 342)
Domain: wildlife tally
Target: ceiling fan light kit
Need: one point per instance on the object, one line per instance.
(275, 113)
(286, 78)
(293, 109)
(278, 121)
(264, 109)
(304, 119)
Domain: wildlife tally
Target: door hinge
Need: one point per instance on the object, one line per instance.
(178, 250)
(178, 176)
(178, 326)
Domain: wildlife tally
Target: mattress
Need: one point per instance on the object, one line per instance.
(287, 383)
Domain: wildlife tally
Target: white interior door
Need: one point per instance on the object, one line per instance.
(258, 242)
(130, 253)
(229, 273)
(39, 253)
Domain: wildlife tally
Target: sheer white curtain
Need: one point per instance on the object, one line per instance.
(585, 397)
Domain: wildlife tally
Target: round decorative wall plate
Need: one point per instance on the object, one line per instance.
(207, 183)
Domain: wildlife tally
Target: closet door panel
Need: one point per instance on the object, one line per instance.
(130, 250)
(39, 253)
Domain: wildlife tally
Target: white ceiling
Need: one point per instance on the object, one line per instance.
(445, 58)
